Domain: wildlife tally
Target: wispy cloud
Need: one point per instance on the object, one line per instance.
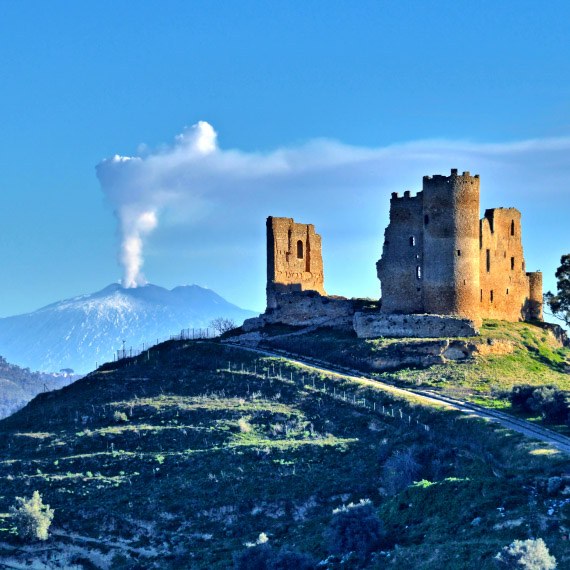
(220, 194)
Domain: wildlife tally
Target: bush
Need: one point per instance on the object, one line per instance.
(548, 401)
(32, 518)
(526, 555)
(400, 471)
(262, 557)
(288, 559)
(254, 558)
(355, 528)
(120, 417)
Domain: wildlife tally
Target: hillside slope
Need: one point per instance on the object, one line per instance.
(177, 458)
(80, 332)
(504, 356)
(19, 385)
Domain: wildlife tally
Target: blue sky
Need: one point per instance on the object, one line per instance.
(321, 109)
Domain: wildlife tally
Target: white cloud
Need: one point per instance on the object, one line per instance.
(212, 196)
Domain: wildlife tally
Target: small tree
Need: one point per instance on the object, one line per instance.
(222, 325)
(560, 303)
(526, 555)
(355, 528)
(32, 518)
(400, 471)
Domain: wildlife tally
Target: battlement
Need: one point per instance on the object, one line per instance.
(440, 178)
(407, 196)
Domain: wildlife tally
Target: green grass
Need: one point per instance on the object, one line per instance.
(528, 354)
(211, 456)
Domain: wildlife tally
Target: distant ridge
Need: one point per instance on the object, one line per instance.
(79, 332)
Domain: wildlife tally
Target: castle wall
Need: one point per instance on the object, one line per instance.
(533, 308)
(505, 287)
(451, 245)
(400, 268)
(294, 259)
(375, 325)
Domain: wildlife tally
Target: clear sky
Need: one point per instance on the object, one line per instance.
(321, 109)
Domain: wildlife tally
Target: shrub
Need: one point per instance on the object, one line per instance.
(520, 396)
(549, 401)
(254, 557)
(120, 417)
(355, 528)
(32, 518)
(261, 556)
(526, 555)
(288, 559)
(400, 471)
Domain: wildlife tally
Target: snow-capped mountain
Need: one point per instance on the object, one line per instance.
(80, 332)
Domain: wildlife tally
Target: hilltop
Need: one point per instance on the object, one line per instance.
(80, 332)
(180, 456)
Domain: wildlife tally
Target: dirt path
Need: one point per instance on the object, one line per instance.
(524, 427)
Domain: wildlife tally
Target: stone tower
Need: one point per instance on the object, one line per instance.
(440, 258)
(451, 245)
(294, 259)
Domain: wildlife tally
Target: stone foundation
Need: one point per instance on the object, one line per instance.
(305, 309)
(376, 325)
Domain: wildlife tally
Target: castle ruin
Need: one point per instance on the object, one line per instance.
(294, 259)
(442, 271)
(440, 258)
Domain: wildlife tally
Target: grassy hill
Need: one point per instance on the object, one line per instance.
(177, 458)
(505, 355)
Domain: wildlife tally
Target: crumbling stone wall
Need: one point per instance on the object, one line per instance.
(375, 325)
(439, 258)
(294, 259)
(505, 286)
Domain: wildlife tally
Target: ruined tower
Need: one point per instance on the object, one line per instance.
(440, 258)
(294, 259)
(451, 245)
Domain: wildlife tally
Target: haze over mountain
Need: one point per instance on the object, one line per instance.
(77, 333)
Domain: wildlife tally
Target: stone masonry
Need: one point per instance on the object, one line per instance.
(294, 259)
(439, 258)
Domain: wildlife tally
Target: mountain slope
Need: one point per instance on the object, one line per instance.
(77, 333)
(177, 458)
(19, 385)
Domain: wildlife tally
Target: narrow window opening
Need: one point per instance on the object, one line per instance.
(459, 253)
(481, 295)
(426, 219)
(523, 266)
(418, 272)
(491, 295)
(299, 249)
(412, 241)
(488, 260)
(512, 227)
(507, 291)
(512, 263)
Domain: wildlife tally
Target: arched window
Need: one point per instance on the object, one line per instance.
(512, 227)
(299, 249)
(418, 272)
(412, 241)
